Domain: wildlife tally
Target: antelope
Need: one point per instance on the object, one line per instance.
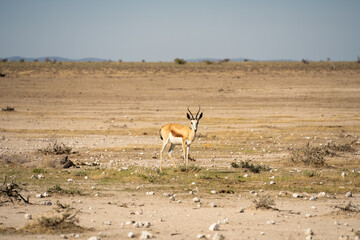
(178, 134)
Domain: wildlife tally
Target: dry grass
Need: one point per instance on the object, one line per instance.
(264, 202)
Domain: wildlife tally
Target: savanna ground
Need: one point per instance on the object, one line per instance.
(296, 126)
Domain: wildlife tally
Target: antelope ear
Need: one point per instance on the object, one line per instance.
(188, 116)
(201, 114)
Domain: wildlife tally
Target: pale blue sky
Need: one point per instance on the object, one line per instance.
(156, 30)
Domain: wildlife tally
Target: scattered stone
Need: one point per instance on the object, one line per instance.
(94, 238)
(196, 199)
(223, 221)
(218, 236)
(313, 198)
(214, 227)
(34, 177)
(308, 215)
(309, 232)
(39, 195)
(344, 174)
(48, 203)
(131, 235)
(344, 237)
(107, 222)
(322, 194)
(308, 237)
(138, 224)
(70, 180)
(200, 236)
(241, 210)
(146, 235)
(262, 233)
(348, 194)
(167, 195)
(172, 198)
(272, 182)
(63, 236)
(147, 224)
(28, 216)
(295, 195)
(246, 175)
(191, 193)
(150, 193)
(40, 176)
(46, 194)
(129, 222)
(270, 222)
(213, 205)
(213, 192)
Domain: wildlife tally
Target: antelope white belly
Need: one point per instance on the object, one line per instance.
(175, 140)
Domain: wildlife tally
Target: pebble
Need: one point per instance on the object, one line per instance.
(223, 221)
(138, 224)
(218, 236)
(309, 232)
(39, 195)
(308, 237)
(213, 205)
(272, 182)
(28, 216)
(63, 236)
(48, 203)
(146, 235)
(196, 199)
(313, 198)
(199, 236)
(295, 195)
(150, 193)
(107, 222)
(94, 238)
(308, 215)
(348, 194)
(129, 222)
(46, 194)
(40, 176)
(214, 227)
(147, 224)
(344, 174)
(262, 233)
(322, 194)
(270, 222)
(131, 235)
(213, 192)
(246, 175)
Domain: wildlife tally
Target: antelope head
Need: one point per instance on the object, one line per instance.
(194, 120)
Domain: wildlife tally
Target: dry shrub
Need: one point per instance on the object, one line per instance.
(315, 155)
(10, 192)
(56, 148)
(62, 219)
(254, 168)
(264, 202)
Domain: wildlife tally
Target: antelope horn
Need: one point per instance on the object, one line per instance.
(198, 113)
(192, 116)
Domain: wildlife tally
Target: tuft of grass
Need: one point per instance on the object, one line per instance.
(254, 168)
(190, 168)
(264, 202)
(59, 190)
(309, 156)
(56, 148)
(310, 173)
(179, 61)
(39, 170)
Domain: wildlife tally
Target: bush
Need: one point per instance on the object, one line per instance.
(265, 202)
(56, 148)
(251, 167)
(179, 61)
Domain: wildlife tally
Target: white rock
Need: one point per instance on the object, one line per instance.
(218, 236)
(308, 215)
(214, 227)
(272, 182)
(241, 210)
(28, 216)
(172, 198)
(63, 236)
(246, 175)
(313, 198)
(343, 237)
(86, 177)
(308, 237)
(129, 222)
(147, 224)
(196, 199)
(39, 195)
(262, 233)
(107, 222)
(70, 180)
(199, 236)
(131, 235)
(344, 174)
(309, 232)
(213, 192)
(348, 194)
(223, 221)
(213, 205)
(46, 194)
(295, 195)
(138, 224)
(146, 235)
(191, 192)
(94, 238)
(270, 222)
(40, 176)
(322, 194)
(150, 193)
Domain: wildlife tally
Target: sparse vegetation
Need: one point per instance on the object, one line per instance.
(179, 61)
(309, 156)
(264, 202)
(254, 168)
(11, 192)
(56, 148)
(59, 190)
(350, 207)
(8, 109)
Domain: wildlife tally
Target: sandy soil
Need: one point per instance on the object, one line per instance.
(112, 115)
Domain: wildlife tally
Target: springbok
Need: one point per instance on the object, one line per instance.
(178, 134)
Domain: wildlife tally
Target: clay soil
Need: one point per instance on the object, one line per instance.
(110, 114)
